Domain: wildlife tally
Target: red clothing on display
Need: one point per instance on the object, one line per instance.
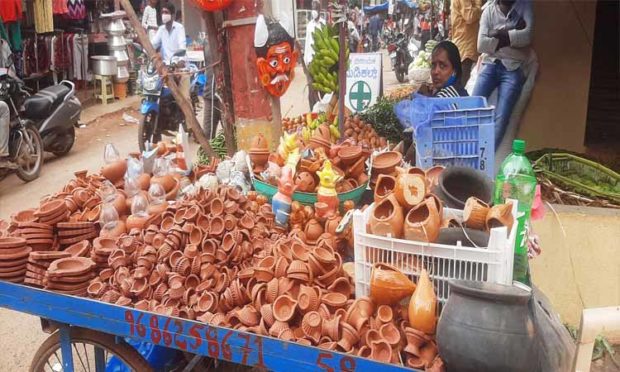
(60, 7)
(11, 10)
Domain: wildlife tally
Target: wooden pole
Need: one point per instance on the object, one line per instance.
(342, 71)
(220, 81)
(183, 103)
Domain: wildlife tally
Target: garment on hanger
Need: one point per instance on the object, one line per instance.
(80, 57)
(15, 36)
(60, 7)
(11, 10)
(76, 9)
(43, 16)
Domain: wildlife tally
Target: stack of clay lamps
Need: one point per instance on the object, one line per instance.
(39, 236)
(74, 232)
(13, 259)
(38, 262)
(69, 275)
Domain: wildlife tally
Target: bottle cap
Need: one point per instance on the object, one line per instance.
(518, 146)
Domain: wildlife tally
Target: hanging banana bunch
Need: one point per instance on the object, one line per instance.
(324, 65)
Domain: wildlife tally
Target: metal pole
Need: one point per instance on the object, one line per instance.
(342, 71)
(183, 103)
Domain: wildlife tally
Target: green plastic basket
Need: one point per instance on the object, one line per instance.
(580, 175)
(307, 198)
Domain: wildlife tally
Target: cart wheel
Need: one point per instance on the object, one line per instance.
(91, 352)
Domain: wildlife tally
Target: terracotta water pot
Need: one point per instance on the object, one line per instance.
(384, 186)
(422, 223)
(386, 218)
(488, 327)
(409, 190)
(167, 182)
(423, 306)
(500, 215)
(475, 213)
(388, 286)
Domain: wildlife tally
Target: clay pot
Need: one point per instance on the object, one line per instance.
(457, 184)
(114, 171)
(305, 182)
(385, 314)
(386, 162)
(334, 300)
(475, 213)
(360, 312)
(349, 337)
(312, 326)
(423, 222)
(410, 189)
(388, 286)
(386, 218)
(312, 231)
(390, 334)
(284, 308)
(384, 186)
(500, 215)
(423, 306)
(259, 159)
(381, 351)
(432, 175)
(350, 154)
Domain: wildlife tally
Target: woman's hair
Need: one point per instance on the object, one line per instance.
(453, 55)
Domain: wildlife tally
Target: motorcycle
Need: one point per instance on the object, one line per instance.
(25, 143)
(366, 44)
(402, 52)
(162, 115)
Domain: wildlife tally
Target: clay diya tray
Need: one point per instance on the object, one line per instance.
(70, 267)
(73, 232)
(13, 259)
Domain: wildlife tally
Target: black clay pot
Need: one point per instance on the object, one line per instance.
(457, 184)
(487, 327)
(468, 237)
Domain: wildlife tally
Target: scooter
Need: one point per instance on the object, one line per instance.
(25, 144)
(55, 111)
(162, 115)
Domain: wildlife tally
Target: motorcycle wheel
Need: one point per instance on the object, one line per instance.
(30, 157)
(400, 73)
(145, 131)
(70, 135)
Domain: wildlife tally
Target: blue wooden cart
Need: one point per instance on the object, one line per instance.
(107, 327)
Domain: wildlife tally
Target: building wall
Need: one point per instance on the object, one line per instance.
(580, 263)
(557, 111)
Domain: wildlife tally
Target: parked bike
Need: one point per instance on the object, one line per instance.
(402, 53)
(25, 144)
(162, 114)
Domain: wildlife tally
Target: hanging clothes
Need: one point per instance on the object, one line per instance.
(15, 36)
(60, 7)
(43, 16)
(11, 10)
(76, 10)
(3, 32)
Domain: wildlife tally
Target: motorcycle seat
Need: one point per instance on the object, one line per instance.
(44, 102)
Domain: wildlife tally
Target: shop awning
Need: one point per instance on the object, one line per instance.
(409, 3)
(377, 8)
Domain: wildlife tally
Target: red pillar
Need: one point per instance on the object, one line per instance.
(252, 103)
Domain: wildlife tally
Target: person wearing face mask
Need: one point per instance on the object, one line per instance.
(446, 72)
(170, 39)
(504, 38)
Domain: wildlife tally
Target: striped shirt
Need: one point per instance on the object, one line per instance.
(451, 92)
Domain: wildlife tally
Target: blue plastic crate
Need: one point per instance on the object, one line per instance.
(464, 136)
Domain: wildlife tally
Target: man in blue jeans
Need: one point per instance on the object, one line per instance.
(506, 29)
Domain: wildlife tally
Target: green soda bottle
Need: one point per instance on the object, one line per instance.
(516, 180)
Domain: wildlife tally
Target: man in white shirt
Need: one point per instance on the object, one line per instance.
(149, 19)
(170, 38)
(313, 24)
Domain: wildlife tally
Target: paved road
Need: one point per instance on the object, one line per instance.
(20, 333)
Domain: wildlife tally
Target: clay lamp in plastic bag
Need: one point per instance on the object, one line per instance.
(157, 197)
(115, 167)
(161, 174)
(139, 215)
(112, 226)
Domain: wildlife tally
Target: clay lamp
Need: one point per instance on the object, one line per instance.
(334, 300)
(386, 162)
(341, 285)
(350, 154)
(385, 314)
(349, 337)
(308, 299)
(415, 340)
(272, 291)
(312, 231)
(80, 249)
(96, 289)
(246, 222)
(324, 255)
(390, 334)
(359, 313)
(216, 226)
(284, 308)
(248, 316)
(381, 351)
(216, 207)
(311, 326)
(299, 251)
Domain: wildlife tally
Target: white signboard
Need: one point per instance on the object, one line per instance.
(363, 80)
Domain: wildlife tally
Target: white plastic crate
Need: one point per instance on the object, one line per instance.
(443, 262)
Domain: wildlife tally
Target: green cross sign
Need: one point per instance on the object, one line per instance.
(360, 95)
